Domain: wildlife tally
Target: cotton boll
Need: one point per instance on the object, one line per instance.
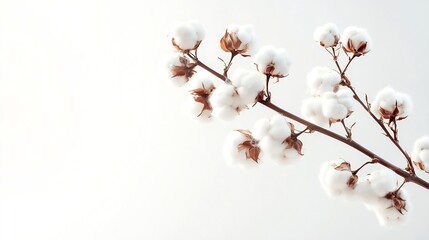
(249, 84)
(327, 35)
(390, 216)
(420, 154)
(337, 106)
(239, 39)
(260, 128)
(387, 100)
(272, 61)
(187, 35)
(334, 181)
(356, 40)
(233, 155)
(279, 128)
(323, 79)
(180, 69)
(382, 182)
(312, 111)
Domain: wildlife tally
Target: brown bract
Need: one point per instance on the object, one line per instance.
(345, 166)
(421, 166)
(359, 51)
(269, 69)
(231, 43)
(397, 202)
(184, 50)
(249, 145)
(186, 69)
(293, 142)
(202, 95)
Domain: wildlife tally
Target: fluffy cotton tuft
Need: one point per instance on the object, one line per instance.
(187, 36)
(272, 61)
(239, 39)
(249, 85)
(420, 154)
(180, 68)
(336, 178)
(382, 182)
(198, 107)
(323, 79)
(327, 35)
(337, 106)
(225, 102)
(356, 40)
(234, 152)
(273, 135)
(387, 100)
(312, 111)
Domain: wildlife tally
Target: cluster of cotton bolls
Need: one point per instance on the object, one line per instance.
(274, 138)
(329, 102)
(378, 190)
(239, 40)
(272, 61)
(228, 100)
(389, 104)
(354, 40)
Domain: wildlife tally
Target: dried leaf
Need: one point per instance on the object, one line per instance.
(420, 165)
(344, 166)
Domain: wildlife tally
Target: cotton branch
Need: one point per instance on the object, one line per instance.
(407, 176)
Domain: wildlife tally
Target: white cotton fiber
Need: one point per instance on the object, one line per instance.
(312, 111)
(356, 40)
(321, 80)
(272, 61)
(327, 35)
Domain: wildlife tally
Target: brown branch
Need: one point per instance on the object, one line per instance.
(406, 175)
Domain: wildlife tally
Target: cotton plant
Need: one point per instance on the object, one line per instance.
(332, 99)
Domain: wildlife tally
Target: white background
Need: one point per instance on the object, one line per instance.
(93, 144)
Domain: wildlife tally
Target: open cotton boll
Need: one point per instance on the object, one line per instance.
(200, 82)
(420, 154)
(390, 215)
(272, 61)
(198, 107)
(187, 35)
(249, 84)
(382, 182)
(356, 40)
(234, 153)
(239, 39)
(364, 191)
(336, 178)
(327, 35)
(387, 100)
(180, 69)
(323, 79)
(337, 106)
(312, 111)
